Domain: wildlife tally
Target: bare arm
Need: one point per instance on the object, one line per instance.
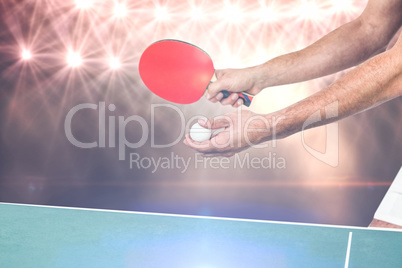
(345, 47)
(370, 84)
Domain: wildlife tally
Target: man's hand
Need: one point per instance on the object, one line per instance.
(374, 82)
(233, 80)
(242, 129)
(347, 46)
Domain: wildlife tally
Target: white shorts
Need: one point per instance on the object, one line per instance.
(390, 209)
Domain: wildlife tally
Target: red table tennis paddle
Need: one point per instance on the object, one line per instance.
(179, 72)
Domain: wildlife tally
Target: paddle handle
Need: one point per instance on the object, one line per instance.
(247, 98)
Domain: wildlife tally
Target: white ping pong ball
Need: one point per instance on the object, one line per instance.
(199, 133)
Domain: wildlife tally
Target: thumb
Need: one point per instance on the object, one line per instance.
(216, 86)
(214, 123)
(213, 89)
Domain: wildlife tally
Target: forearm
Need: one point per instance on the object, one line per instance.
(372, 83)
(347, 46)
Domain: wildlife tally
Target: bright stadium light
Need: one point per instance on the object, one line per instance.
(268, 13)
(26, 55)
(309, 11)
(114, 63)
(232, 13)
(161, 13)
(197, 13)
(74, 59)
(84, 4)
(120, 10)
(342, 5)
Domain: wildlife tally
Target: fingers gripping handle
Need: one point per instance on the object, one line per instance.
(247, 98)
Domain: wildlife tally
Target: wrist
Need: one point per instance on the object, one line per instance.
(281, 125)
(260, 78)
(267, 74)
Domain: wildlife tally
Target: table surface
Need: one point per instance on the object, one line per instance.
(44, 236)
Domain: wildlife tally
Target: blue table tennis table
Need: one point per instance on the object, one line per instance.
(45, 236)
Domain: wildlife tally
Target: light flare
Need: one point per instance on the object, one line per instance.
(232, 13)
(161, 13)
(342, 6)
(310, 11)
(26, 55)
(84, 4)
(197, 13)
(114, 63)
(74, 59)
(267, 14)
(120, 10)
(235, 34)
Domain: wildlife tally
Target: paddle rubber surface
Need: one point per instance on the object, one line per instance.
(176, 71)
